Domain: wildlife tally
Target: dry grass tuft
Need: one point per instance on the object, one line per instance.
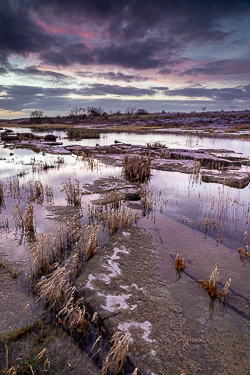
(44, 253)
(146, 197)
(17, 217)
(136, 168)
(179, 262)
(29, 219)
(113, 216)
(210, 284)
(72, 192)
(224, 291)
(244, 249)
(73, 314)
(91, 239)
(116, 357)
(55, 289)
(1, 194)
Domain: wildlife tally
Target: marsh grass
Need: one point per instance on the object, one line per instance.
(116, 357)
(29, 219)
(224, 291)
(136, 168)
(73, 193)
(17, 217)
(31, 362)
(73, 314)
(1, 194)
(147, 200)
(111, 216)
(44, 252)
(210, 284)
(244, 250)
(54, 289)
(91, 241)
(82, 133)
(179, 263)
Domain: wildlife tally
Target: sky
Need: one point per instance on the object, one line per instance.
(172, 55)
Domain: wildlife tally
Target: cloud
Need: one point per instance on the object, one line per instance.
(135, 34)
(34, 71)
(21, 97)
(221, 67)
(112, 76)
(223, 94)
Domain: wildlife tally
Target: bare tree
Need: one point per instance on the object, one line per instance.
(36, 114)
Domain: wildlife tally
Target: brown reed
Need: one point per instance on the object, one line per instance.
(210, 284)
(136, 168)
(179, 262)
(116, 357)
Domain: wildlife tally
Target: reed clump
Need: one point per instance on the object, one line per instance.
(82, 133)
(111, 216)
(179, 262)
(29, 219)
(1, 194)
(146, 197)
(116, 357)
(73, 314)
(210, 284)
(54, 289)
(224, 291)
(244, 250)
(44, 252)
(136, 168)
(91, 242)
(73, 193)
(17, 217)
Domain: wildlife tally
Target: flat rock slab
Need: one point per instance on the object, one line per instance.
(123, 285)
(183, 165)
(236, 179)
(16, 306)
(127, 190)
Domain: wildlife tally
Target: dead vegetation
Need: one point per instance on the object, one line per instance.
(136, 168)
(210, 284)
(244, 250)
(224, 291)
(116, 357)
(1, 194)
(90, 239)
(72, 315)
(73, 193)
(111, 216)
(179, 263)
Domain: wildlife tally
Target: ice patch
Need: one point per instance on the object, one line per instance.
(146, 326)
(117, 302)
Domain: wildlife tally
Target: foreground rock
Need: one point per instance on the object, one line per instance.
(122, 284)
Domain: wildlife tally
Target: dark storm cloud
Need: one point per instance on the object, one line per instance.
(223, 94)
(33, 71)
(99, 89)
(138, 34)
(111, 76)
(221, 67)
(68, 55)
(19, 33)
(21, 97)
